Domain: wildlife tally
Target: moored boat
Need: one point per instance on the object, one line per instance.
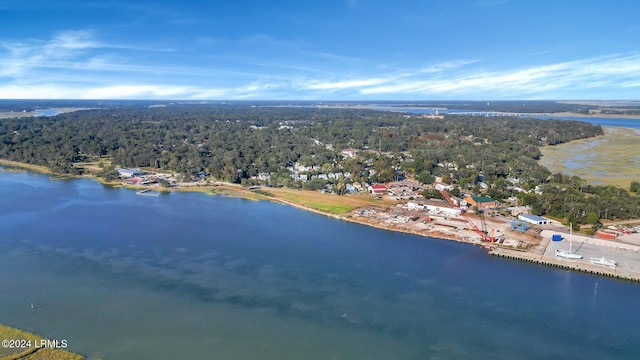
(567, 255)
(603, 261)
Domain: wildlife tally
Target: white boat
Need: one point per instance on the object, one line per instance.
(568, 254)
(603, 261)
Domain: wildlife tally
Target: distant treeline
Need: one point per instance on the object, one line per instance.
(236, 142)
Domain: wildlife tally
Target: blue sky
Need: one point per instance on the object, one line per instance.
(320, 50)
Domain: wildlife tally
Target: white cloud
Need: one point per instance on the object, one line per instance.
(343, 84)
(137, 91)
(22, 58)
(75, 64)
(40, 91)
(570, 77)
(72, 39)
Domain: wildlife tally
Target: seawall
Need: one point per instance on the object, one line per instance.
(567, 265)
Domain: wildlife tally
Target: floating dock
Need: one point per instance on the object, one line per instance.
(148, 192)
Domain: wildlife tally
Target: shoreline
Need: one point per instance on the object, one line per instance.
(236, 190)
(557, 114)
(550, 261)
(598, 115)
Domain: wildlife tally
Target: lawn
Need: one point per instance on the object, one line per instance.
(329, 203)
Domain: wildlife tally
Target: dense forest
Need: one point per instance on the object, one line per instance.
(236, 142)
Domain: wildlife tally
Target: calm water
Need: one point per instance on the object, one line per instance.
(603, 121)
(48, 112)
(190, 276)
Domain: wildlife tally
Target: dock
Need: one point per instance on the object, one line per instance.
(148, 192)
(567, 264)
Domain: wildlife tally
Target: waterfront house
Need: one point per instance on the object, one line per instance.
(128, 173)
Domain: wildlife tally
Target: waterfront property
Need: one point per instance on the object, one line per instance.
(129, 173)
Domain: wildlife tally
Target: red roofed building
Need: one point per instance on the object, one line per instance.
(378, 189)
(134, 181)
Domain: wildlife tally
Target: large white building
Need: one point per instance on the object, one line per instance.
(534, 219)
(434, 206)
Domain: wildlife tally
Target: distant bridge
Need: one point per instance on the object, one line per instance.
(494, 113)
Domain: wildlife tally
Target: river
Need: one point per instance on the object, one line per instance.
(191, 276)
(596, 120)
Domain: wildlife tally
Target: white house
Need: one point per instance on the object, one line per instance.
(349, 153)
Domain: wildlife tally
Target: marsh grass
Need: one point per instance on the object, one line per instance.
(612, 159)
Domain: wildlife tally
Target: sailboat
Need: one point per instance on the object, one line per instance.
(568, 254)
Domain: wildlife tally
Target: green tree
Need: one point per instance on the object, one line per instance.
(591, 218)
(425, 177)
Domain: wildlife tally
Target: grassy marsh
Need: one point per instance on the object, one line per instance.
(612, 159)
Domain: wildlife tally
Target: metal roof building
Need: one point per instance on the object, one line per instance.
(534, 219)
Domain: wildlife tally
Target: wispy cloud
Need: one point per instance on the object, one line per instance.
(137, 91)
(19, 57)
(73, 50)
(343, 84)
(76, 64)
(573, 76)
